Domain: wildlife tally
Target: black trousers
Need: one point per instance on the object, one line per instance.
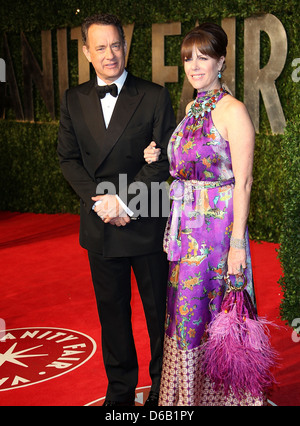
(112, 284)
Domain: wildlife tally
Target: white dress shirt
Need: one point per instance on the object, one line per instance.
(108, 102)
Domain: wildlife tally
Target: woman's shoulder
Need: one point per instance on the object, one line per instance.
(232, 106)
(233, 103)
(234, 114)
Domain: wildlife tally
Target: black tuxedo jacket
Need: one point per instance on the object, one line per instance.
(90, 154)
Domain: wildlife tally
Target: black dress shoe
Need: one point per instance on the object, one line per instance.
(152, 400)
(128, 403)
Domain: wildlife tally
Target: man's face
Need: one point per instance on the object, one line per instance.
(106, 51)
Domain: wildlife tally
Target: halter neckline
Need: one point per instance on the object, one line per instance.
(206, 102)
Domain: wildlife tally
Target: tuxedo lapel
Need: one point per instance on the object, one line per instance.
(127, 103)
(105, 139)
(94, 126)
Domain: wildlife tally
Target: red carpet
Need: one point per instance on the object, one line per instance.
(50, 351)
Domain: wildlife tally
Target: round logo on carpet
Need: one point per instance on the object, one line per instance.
(32, 355)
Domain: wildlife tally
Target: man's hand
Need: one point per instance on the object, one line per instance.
(110, 210)
(151, 153)
(120, 221)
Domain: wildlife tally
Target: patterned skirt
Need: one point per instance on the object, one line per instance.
(183, 384)
(191, 305)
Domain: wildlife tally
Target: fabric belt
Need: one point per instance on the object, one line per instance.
(184, 189)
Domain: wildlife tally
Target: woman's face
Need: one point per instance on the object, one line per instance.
(202, 70)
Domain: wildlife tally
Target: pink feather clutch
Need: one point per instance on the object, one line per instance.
(237, 353)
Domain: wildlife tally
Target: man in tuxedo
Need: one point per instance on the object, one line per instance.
(105, 126)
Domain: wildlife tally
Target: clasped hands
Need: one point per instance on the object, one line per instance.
(110, 210)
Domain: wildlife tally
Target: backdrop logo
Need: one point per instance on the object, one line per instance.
(33, 355)
(256, 80)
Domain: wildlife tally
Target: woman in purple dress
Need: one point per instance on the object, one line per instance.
(211, 158)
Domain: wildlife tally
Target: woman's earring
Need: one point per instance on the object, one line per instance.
(219, 75)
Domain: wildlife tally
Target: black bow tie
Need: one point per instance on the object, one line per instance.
(102, 90)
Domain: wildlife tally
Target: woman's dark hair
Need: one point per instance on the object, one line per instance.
(210, 39)
(101, 19)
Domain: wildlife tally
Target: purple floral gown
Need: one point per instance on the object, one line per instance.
(197, 243)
